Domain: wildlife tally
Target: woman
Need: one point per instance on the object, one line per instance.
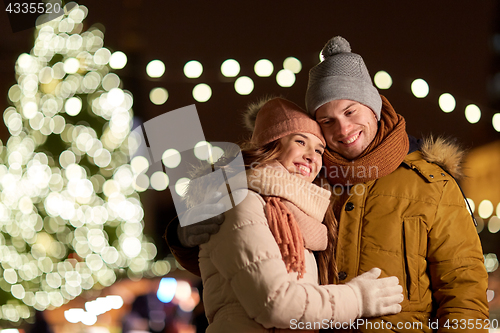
(259, 272)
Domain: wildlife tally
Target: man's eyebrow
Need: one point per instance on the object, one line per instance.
(343, 110)
(349, 106)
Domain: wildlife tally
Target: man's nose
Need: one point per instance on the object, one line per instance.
(342, 127)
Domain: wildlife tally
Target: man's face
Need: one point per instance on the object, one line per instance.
(348, 126)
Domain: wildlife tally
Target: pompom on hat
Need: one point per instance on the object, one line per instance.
(274, 118)
(341, 75)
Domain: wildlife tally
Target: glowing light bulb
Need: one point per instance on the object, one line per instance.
(243, 85)
(202, 92)
(447, 102)
(382, 80)
(155, 68)
(263, 68)
(193, 69)
(285, 78)
(292, 64)
(230, 68)
(419, 88)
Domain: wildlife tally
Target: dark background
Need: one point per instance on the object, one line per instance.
(449, 43)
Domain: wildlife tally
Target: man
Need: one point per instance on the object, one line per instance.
(397, 204)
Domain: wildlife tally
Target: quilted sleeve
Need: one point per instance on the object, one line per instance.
(459, 278)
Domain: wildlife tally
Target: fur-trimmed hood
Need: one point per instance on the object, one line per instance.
(445, 153)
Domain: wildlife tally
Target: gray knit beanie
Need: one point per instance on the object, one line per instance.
(341, 75)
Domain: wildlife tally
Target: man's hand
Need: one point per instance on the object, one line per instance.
(210, 213)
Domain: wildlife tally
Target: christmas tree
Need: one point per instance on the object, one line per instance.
(71, 218)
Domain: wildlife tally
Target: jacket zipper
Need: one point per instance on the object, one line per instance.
(406, 270)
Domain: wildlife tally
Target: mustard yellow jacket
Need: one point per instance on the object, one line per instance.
(414, 224)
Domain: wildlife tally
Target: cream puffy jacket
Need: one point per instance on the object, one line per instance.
(246, 285)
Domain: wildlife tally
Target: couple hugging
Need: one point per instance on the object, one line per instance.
(309, 246)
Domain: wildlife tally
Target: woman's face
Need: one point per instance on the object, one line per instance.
(301, 155)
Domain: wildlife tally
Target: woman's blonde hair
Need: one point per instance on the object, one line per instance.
(256, 156)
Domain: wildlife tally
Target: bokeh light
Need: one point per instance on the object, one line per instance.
(102, 56)
(71, 65)
(494, 224)
(217, 152)
(447, 102)
(491, 262)
(419, 88)
(485, 209)
(139, 164)
(490, 295)
(181, 186)
(263, 68)
(202, 92)
(244, 85)
(230, 68)
(471, 204)
(171, 158)
(183, 290)
(496, 122)
(118, 60)
(158, 96)
(110, 81)
(472, 113)
(193, 69)
(292, 64)
(382, 80)
(203, 150)
(155, 68)
(159, 181)
(73, 106)
(78, 200)
(285, 78)
(166, 289)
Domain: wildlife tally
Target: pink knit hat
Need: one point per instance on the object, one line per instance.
(275, 118)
